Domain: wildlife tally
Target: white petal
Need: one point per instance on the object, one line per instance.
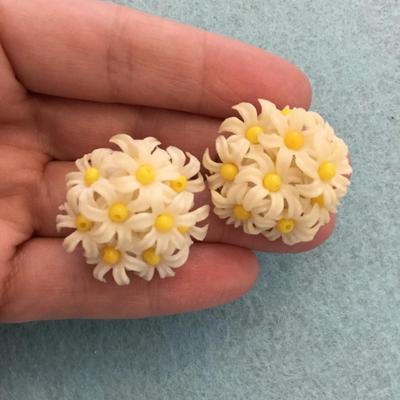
(216, 181)
(254, 197)
(310, 190)
(271, 141)
(192, 167)
(132, 263)
(307, 165)
(165, 271)
(209, 163)
(267, 107)
(100, 270)
(178, 259)
(264, 162)
(92, 212)
(232, 125)
(126, 144)
(147, 274)
(280, 123)
(90, 247)
(141, 222)
(71, 241)
(223, 150)
(120, 276)
(177, 156)
(195, 185)
(124, 161)
(181, 203)
(276, 207)
(124, 237)
(107, 191)
(249, 174)
(283, 162)
(248, 113)
(219, 200)
(162, 243)
(199, 233)
(148, 240)
(103, 232)
(124, 184)
(296, 119)
(65, 221)
(98, 156)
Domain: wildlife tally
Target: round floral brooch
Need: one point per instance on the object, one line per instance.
(280, 173)
(132, 210)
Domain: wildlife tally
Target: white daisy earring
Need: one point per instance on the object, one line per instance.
(132, 209)
(279, 172)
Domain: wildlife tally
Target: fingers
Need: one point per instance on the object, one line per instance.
(71, 128)
(12, 92)
(49, 284)
(116, 54)
(53, 194)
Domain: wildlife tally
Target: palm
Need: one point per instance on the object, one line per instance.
(65, 92)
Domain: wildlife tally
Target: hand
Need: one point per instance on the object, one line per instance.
(74, 73)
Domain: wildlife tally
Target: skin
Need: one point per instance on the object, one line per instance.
(73, 74)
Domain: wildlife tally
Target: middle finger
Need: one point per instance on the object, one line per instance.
(71, 128)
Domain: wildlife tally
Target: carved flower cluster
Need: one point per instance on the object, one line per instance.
(280, 172)
(132, 209)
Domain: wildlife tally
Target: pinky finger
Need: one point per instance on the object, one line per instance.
(50, 284)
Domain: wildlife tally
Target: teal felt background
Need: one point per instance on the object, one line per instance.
(323, 325)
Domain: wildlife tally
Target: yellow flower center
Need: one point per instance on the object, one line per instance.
(252, 134)
(179, 184)
(240, 212)
(164, 222)
(228, 171)
(327, 171)
(118, 212)
(145, 174)
(183, 229)
(294, 140)
(318, 200)
(285, 225)
(110, 255)
(150, 257)
(286, 111)
(272, 182)
(82, 224)
(91, 175)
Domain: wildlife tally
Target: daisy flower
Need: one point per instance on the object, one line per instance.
(116, 259)
(196, 232)
(91, 172)
(186, 180)
(241, 208)
(271, 182)
(252, 126)
(299, 227)
(293, 140)
(232, 156)
(164, 264)
(142, 167)
(324, 211)
(83, 230)
(113, 213)
(327, 170)
(163, 225)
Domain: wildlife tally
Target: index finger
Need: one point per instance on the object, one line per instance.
(104, 52)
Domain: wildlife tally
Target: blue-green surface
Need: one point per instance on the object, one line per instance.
(322, 325)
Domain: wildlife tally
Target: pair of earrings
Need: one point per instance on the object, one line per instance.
(279, 173)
